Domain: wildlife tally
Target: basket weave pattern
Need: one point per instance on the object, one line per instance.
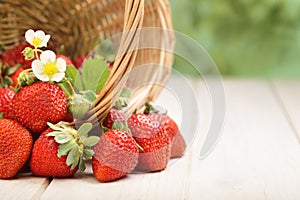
(80, 24)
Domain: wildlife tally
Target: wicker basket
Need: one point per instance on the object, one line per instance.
(80, 24)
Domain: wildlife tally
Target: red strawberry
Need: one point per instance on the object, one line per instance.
(178, 143)
(6, 107)
(68, 118)
(78, 61)
(67, 59)
(15, 147)
(115, 156)
(14, 76)
(15, 56)
(178, 146)
(39, 103)
(154, 140)
(112, 116)
(44, 160)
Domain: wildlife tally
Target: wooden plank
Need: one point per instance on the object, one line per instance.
(171, 183)
(23, 187)
(288, 92)
(258, 154)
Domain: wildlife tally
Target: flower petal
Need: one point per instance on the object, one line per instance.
(29, 35)
(48, 56)
(42, 77)
(40, 34)
(61, 65)
(58, 77)
(46, 40)
(37, 67)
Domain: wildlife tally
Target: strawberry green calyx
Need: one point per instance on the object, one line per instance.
(123, 100)
(28, 53)
(117, 125)
(75, 144)
(80, 104)
(150, 109)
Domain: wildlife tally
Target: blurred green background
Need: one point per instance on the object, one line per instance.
(250, 38)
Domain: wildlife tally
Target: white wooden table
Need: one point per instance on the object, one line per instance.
(257, 157)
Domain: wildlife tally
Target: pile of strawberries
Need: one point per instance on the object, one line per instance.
(38, 131)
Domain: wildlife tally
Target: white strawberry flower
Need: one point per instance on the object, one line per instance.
(48, 68)
(37, 39)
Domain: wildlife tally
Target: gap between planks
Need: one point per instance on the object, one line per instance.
(287, 95)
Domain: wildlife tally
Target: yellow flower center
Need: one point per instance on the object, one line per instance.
(37, 42)
(50, 69)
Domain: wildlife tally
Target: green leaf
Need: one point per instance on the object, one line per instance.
(53, 127)
(123, 99)
(84, 129)
(102, 80)
(106, 50)
(104, 129)
(94, 74)
(64, 149)
(117, 125)
(126, 92)
(71, 73)
(12, 70)
(91, 141)
(81, 164)
(54, 133)
(76, 161)
(62, 138)
(89, 95)
(88, 153)
(66, 88)
(73, 154)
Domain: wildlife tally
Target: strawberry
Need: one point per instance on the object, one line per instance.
(61, 152)
(178, 143)
(15, 147)
(112, 116)
(15, 56)
(39, 103)
(67, 59)
(115, 156)
(6, 107)
(171, 128)
(44, 160)
(154, 140)
(178, 146)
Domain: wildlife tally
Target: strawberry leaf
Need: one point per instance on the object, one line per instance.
(71, 73)
(72, 156)
(64, 149)
(75, 162)
(89, 95)
(88, 153)
(53, 127)
(84, 129)
(61, 138)
(81, 164)
(11, 70)
(117, 125)
(94, 74)
(102, 80)
(54, 133)
(91, 141)
(104, 129)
